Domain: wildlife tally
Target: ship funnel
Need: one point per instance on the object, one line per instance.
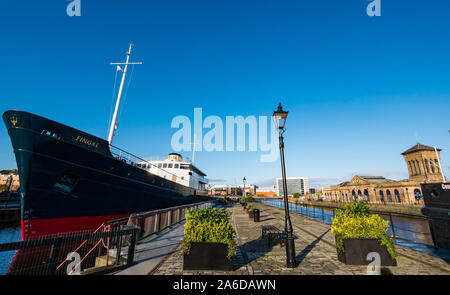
(174, 157)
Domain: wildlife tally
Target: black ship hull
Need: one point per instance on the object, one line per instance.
(437, 208)
(70, 180)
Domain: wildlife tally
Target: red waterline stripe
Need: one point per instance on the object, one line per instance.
(46, 227)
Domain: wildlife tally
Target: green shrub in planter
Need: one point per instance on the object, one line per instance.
(356, 209)
(249, 199)
(250, 212)
(355, 221)
(208, 225)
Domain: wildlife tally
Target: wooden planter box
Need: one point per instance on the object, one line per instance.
(207, 256)
(356, 251)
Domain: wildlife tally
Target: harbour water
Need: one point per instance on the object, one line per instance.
(410, 232)
(8, 235)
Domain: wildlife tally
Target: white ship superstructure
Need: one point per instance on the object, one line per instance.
(177, 169)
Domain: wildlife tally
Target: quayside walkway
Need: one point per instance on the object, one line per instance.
(150, 253)
(314, 245)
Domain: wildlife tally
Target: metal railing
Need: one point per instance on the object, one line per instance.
(154, 222)
(379, 200)
(71, 253)
(317, 212)
(162, 158)
(10, 202)
(102, 250)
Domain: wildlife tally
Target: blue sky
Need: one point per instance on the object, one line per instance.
(358, 88)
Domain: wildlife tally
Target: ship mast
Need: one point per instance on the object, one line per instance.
(113, 126)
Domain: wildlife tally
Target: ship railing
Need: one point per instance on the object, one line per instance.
(163, 158)
(142, 163)
(153, 222)
(86, 252)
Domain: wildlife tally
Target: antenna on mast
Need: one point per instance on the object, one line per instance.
(417, 137)
(193, 151)
(114, 124)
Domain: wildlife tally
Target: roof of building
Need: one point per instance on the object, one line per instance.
(373, 179)
(13, 171)
(376, 179)
(419, 147)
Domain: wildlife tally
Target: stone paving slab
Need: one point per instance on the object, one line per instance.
(314, 245)
(408, 257)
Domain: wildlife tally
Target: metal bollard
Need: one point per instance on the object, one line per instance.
(256, 214)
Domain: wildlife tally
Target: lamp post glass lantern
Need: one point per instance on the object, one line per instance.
(279, 117)
(243, 193)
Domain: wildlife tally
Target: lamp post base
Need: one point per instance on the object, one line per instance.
(291, 262)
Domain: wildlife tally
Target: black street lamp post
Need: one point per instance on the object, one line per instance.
(243, 193)
(279, 117)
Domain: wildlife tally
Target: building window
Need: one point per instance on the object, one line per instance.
(397, 196)
(381, 196)
(176, 166)
(413, 165)
(419, 171)
(437, 165)
(353, 195)
(165, 165)
(417, 194)
(431, 164)
(169, 165)
(388, 195)
(359, 195)
(366, 195)
(426, 165)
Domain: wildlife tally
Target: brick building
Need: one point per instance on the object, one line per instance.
(14, 175)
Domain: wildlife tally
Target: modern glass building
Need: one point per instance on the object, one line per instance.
(294, 185)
